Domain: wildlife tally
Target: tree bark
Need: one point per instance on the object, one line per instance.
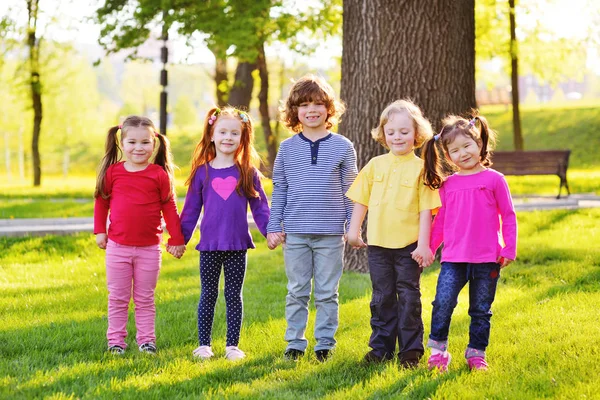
(241, 90)
(514, 79)
(263, 108)
(36, 89)
(392, 49)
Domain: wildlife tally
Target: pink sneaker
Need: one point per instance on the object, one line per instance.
(477, 363)
(439, 361)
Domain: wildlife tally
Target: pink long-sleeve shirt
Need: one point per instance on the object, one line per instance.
(477, 221)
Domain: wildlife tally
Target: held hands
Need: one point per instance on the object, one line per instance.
(354, 239)
(101, 240)
(423, 256)
(503, 261)
(275, 239)
(176, 251)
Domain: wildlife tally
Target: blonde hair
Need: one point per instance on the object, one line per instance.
(422, 126)
(311, 88)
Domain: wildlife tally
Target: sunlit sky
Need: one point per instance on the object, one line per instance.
(567, 18)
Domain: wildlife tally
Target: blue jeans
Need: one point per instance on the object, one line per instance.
(316, 258)
(483, 279)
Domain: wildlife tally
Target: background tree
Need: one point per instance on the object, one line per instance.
(234, 28)
(35, 84)
(425, 52)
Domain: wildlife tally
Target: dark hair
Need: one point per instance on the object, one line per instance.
(453, 125)
(113, 153)
(311, 88)
(246, 158)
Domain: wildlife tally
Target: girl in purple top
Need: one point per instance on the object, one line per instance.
(224, 181)
(478, 226)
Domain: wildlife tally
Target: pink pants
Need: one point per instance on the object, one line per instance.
(130, 267)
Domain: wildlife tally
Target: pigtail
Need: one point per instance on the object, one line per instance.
(432, 175)
(247, 159)
(164, 158)
(488, 141)
(112, 155)
(205, 149)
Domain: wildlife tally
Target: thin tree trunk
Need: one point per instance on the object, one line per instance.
(241, 91)
(390, 54)
(36, 89)
(514, 79)
(263, 108)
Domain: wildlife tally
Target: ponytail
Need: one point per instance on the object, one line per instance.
(112, 155)
(488, 139)
(164, 158)
(432, 175)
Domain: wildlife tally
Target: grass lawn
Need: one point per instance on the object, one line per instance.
(53, 322)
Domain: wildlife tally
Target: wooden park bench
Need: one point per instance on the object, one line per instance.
(544, 162)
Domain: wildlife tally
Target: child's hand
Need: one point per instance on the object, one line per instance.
(355, 241)
(274, 239)
(423, 256)
(503, 261)
(101, 240)
(176, 251)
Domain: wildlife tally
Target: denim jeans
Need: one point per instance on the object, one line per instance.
(483, 279)
(316, 258)
(395, 303)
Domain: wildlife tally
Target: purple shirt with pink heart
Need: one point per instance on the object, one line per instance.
(224, 224)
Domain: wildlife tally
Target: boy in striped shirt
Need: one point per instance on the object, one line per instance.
(309, 212)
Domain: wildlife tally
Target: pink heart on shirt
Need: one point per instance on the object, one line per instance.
(224, 187)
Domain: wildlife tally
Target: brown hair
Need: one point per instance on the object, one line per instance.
(246, 158)
(423, 130)
(455, 125)
(113, 153)
(311, 88)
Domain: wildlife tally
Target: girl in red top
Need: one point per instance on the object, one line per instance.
(136, 191)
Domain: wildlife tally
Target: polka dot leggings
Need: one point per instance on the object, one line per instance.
(234, 266)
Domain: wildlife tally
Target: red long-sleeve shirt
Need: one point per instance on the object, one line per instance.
(135, 203)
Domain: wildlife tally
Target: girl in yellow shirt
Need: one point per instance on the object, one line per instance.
(391, 188)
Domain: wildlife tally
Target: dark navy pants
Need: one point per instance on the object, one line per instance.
(234, 267)
(482, 279)
(396, 303)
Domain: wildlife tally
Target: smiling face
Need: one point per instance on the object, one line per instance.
(138, 145)
(227, 135)
(312, 115)
(465, 154)
(399, 133)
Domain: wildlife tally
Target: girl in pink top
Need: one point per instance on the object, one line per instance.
(137, 192)
(478, 226)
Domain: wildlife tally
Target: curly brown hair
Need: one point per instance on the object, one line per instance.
(311, 88)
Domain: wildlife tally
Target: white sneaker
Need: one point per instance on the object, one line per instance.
(233, 353)
(203, 352)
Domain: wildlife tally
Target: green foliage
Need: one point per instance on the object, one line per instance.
(184, 112)
(53, 297)
(540, 51)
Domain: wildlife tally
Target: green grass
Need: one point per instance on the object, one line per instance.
(553, 128)
(53, 322)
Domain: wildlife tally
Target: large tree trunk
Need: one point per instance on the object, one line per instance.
(241, 90)
(36, 89)
(263, 108)
(424, 51)
(514, 79)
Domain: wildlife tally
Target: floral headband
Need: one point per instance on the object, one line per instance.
(469, 125)
(243, 116)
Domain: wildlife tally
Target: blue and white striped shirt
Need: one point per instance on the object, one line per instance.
(310, 180)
